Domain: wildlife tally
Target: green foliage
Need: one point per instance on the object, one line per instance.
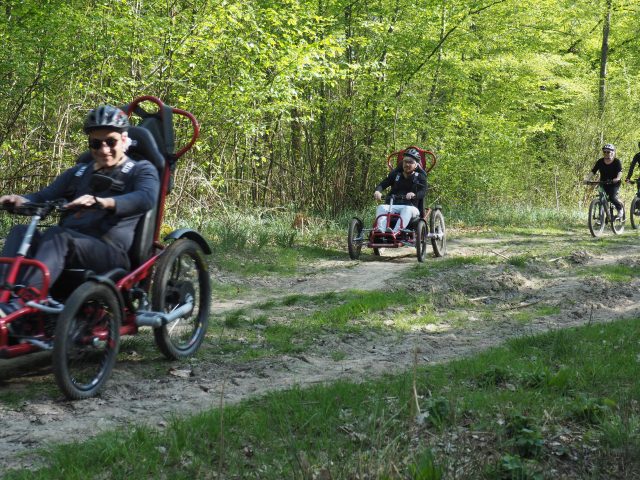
(425, 468)
(300, 101)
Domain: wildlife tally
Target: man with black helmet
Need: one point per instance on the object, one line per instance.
(120, 191)
(610, 169)
(409, 180)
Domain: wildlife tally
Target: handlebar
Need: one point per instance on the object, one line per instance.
(30, 209)
(600, 182)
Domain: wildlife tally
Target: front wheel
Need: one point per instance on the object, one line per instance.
(181, 277)
(87, 340)
(596, 218)
(355, 238)
(421, 240)
(634, 213)
(438, 229)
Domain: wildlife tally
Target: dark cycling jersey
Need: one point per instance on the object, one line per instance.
(607, 172)
(636, 159)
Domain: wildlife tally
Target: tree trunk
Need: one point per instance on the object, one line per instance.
(604, 53)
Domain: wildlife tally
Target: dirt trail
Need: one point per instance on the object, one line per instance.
(551, 271)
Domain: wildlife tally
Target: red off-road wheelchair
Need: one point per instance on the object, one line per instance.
(428, 226)
(81, 317)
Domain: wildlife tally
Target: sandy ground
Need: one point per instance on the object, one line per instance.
(554, 274)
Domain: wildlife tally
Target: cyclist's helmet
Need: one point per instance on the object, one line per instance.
(412, 153)
(106, 116)
(608, 146)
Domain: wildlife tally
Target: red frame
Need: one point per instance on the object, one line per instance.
(128, 326)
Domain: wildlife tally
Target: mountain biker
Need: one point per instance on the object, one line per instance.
(91, 238)
(407, 180)
(636, 160)
(610, 169)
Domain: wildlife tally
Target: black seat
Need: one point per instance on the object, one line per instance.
(144, 147)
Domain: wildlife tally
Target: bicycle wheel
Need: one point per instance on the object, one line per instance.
(421, 240)
(355, 238)
(439, 242)
(596, 218)
(617, 224)
(181, 277)
(87, 340)
(634, 213)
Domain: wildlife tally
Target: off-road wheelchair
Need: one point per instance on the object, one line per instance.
(81, 317)
(428, 226)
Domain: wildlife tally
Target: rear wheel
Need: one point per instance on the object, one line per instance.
(355, 238)
(181, 278)
(634, 213)
(596, 218)
(87, 340)
(377, 251)
(438, 229)
(617, 224)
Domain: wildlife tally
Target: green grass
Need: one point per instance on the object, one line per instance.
(514, 215)
(566, 401)
(613, 273)
(306, 317)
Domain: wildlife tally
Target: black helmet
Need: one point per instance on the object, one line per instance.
(412, 153)
(609, 146)
(106, 116)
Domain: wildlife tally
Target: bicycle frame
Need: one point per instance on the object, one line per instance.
(606, 204)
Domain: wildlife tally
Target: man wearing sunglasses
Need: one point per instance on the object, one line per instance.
(106, 198)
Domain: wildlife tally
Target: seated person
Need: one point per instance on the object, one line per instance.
(410, 181)
(610, 169)
(99, 238)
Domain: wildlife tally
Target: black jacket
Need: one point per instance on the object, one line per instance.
(416, 183)
(139, 194)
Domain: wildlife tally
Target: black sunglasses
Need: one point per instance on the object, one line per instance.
(96, 144)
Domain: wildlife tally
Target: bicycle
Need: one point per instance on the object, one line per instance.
(634, 210)
(601, 212)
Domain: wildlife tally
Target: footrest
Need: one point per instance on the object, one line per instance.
(151, 319)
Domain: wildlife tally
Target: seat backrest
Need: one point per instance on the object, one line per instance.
(144, 147)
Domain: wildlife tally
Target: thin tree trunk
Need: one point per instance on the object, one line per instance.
(604, 54)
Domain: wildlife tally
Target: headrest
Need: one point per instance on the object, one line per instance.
(144, 147)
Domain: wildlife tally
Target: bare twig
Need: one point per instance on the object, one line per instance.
(499, 254)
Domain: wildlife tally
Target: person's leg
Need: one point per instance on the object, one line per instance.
(612, 193)
(59, 248)
(381, 216)
(407, 212)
